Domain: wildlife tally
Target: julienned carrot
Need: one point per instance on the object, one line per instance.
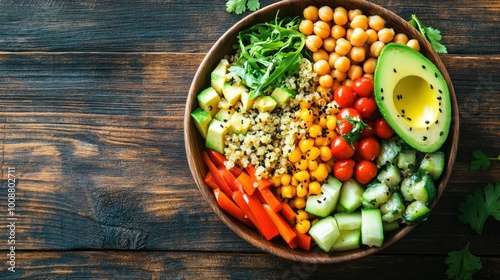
(282, 226)
(303, 240)
(246, 182)
(210, 181)
(227, 204)
(240, 201)
(229, 178)
(266, 225)
(270, 198)
(218, 178)
(218, 159)
(287, 212)
(263, 183)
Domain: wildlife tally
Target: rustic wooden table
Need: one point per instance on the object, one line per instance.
(92, 99)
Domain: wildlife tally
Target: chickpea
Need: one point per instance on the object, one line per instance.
(353, 13)
(338, 76)
(376, 48)
(320, 54)
(400, 38)
(368, 75)
(348, 34)
(325, 13)
(338, 31)
(357, 54)
(332, 57)
(376, 22)
(360, 21)
(329, 44)
(414, 44)
(306, 27)
(372, 36)
(321, 67)
(347, 82)
(358, 37)
(343, 46)
(386, 35)
(355, 72)
(340, 16)
(342, 64)
(326, 81)
(322, 29)
(311, 13)
(314, 42)
(369, 65)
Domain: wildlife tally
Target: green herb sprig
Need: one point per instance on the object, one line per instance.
(462, 264)
(431, 34)
(241, 6)
(481, 161)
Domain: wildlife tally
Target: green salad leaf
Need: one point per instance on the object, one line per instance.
(480, 204)
(269, 52)
(241, 6)
(431, 34)
(357, 130)
(462, 265)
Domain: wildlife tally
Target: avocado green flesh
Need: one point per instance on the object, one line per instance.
(413, 97)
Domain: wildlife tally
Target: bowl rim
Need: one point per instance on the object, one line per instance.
(280, 248)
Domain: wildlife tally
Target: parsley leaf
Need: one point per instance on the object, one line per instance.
(481, 204)
(481, 161)
(431, 34)
(462, 264)
(240, 6)
(356, 131)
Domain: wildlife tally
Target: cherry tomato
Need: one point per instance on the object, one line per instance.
(367, 132)
(363, 87)
(366, 106)
(383, 129)
(341, 149)
(369, 148)
(343, 169)
(365, 171)
(344, 126)
(345, 96)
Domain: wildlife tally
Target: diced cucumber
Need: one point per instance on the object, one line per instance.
(375, 195)
(406, 186)
(372, 230)
(433, 164)
(347, 240)
(325, 232)
(390, 176)
(407, 160)
(389, 150)
(393, 209)
(392, 226)
(332, 185)
(416, 212)
(348, 221)
(350, 195)
(321, 204)
(424, 190)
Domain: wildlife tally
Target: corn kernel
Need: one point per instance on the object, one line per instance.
(301, 164)
(313, 153)
(312, 164)
(325, 153)
(315, 130)
(303, 226)
(314, 187)
(294, 155)
(305, 144)
(301, 190)
(301, 176)
(301, 215)
(288, 191)
(321, 173)
(286, 179)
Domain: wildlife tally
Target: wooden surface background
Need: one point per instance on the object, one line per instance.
(92, 99)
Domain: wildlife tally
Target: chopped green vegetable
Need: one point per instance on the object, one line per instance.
(462, 264)
(356, 131)
(241, 6)
(481, 161)
(431, 34)
(479, 205)
(269, 52)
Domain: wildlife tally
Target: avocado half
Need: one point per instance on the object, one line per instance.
(413, 97)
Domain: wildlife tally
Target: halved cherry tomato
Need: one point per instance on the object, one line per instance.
(365, 171)
(344, 126)
(369, 148)
(341, 149)
(363, 87)
(344, 96)
(383, 129)
(366, 106)
(344, 169)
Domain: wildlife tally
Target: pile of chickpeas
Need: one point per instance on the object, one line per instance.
(344, 46)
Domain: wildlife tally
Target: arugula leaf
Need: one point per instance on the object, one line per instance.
(481, 161)
(481, 204)
(462, 264)
(240, 6)
(431, 34)
(356, 131)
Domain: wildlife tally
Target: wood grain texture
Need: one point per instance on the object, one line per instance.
(92, 95)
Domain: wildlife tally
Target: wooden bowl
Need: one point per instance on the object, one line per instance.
(195, 144)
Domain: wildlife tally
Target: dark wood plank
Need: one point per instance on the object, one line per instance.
(97, 143)
(193, 26)
(200, 265)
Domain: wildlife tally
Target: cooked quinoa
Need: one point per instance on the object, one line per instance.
(272, 135)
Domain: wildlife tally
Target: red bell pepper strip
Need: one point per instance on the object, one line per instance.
(229, 206)
(287, 212)
(240, 201)
(218, 178)
(263, 183)
(303, 240)
(247, 183)
(266, 225)
(210, 181)
(282, 226)
(268, 197)
(218, 159)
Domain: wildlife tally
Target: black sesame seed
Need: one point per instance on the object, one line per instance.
(394, 69)
(423, 66)
(210, 108)
(381, 90)
(426, 122)
(440, 111)
(403, 111)
(427, 128)
(319, 201)
(441, 133)
(436, 75)
(382, 98)
(436, 121)
(432, 87)
(411, 128)
(425, 138)
(440, 91)
(439, 98)
(409, 119)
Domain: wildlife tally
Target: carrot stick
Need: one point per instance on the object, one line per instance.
(229, 206)
(303, 240)
(218, 178)
(266, 225)
(246, 182)
(263, 183)
(287, 212)
(240, 201)
(218, 159)
(270, 198)
(229, 178)
(210, 180)
(282, 226)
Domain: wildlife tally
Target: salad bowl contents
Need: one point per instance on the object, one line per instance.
(321, 131)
